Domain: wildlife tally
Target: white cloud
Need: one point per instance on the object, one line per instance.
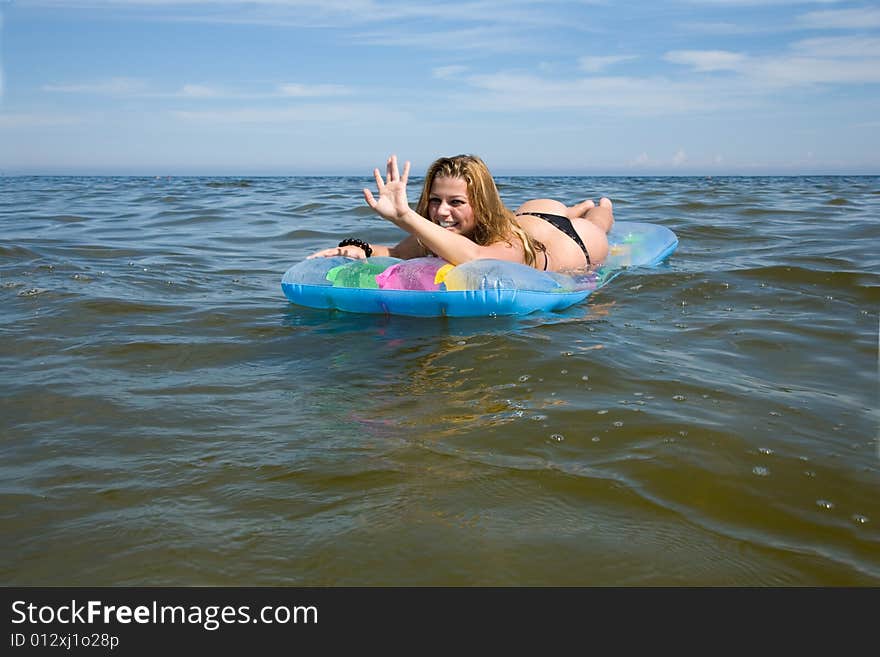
(141, 89)
(36, 120)
(787, 71)
(331, 13)
(840, 19)
(448, 72)
(760, 3)
(293, 115)
(199, 91)
(504, 91)
(706, 60)
(298, 90)
(679, 158)
(823, 60)
(494, 38)
(594, 64)
(111, 87)
(848, 46)
(727, 29)
(336, 5)
(748, 81)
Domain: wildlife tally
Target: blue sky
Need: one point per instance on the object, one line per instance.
(288, 87)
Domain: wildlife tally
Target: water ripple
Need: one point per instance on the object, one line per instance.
(708, 422)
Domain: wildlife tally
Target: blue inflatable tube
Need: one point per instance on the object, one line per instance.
(430, 287)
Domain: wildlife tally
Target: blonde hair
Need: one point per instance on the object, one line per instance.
(494, 222)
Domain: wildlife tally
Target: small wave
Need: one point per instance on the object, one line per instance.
(693, 206)
(823, 274)
(304, 233)
(699, 232)
(94, 252)
(110, 307)
(229, 183)
(768, 212)
(68, 218)
(184, 217)
(17, 252)
(308, 207)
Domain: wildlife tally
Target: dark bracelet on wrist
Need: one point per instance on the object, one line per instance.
(353, 241)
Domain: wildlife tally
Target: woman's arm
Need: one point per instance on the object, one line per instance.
(452, 247)
(407, 248)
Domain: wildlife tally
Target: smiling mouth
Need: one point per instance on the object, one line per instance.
(447, 224)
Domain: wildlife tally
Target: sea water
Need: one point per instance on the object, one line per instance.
(168, 418)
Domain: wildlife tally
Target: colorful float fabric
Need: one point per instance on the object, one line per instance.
(431, 287)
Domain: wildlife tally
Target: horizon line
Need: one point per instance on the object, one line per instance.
(502, 174)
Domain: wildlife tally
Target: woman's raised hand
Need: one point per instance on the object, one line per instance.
(392, 203)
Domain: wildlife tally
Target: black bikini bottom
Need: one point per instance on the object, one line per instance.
(563, 224)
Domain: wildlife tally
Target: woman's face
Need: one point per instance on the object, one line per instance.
(449, 207)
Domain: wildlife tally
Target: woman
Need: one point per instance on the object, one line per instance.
(460, 217)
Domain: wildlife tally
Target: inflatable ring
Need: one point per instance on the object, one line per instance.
(431, 287)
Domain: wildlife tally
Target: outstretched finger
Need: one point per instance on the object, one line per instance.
(393, 172)
(379, 182)
(405, 177)
(368, 197)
